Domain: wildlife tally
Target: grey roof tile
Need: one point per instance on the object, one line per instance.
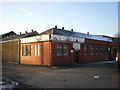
(57, 31)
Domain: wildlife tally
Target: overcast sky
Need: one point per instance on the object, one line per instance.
(99, 18)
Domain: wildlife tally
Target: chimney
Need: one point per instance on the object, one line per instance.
(72, 30)
(55, 27)
(25, 31)
(32, 30)
(50, 36)
(87, 32)
(63, 28)
(20, 32)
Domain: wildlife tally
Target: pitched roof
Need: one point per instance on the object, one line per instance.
(21, 36)
(11, 33)
(57, 31)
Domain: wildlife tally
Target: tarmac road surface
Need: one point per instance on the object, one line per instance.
(91, 75)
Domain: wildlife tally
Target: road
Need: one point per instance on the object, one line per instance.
(103, 75)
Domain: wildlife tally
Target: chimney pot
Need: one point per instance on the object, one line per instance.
(87, 32)
(25, 31)
(55, 26)
(20, 32)
(32, 30)
(71, 29)
(63, 28)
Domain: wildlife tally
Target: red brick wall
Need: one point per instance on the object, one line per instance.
(94, 57)
(61, 60)
(48, 55)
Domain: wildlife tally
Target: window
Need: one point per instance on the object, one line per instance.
(101, 50)
(65, 50)
(106, 50)
(59, 50)
(26, 50)
(85, 50)
(92, 50)
(97, 50)
(36, 49)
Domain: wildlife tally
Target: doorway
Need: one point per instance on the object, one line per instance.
(76, 56)
(109, 54)
(114, 53)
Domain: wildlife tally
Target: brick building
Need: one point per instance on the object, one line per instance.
(10, 43)
(63, 47)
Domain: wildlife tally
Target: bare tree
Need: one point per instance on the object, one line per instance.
(117, 39)
(117, 35)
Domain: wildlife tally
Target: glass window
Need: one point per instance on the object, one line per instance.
(26, 50)
(92, 50)
(106, 50)
(59, 50)
(65, 50)
(101, 50)
(85, 49)
(36, 50)
(96, 49)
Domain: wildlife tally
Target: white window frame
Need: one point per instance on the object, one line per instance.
(36, 49)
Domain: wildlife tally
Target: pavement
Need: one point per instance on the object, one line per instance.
(90, 75)
(102, 62)
(85, 64)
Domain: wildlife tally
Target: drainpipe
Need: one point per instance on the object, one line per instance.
(49, 50)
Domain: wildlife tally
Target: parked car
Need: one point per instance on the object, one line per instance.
(118, 59)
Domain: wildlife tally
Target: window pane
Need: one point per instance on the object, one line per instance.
(105, 50)
(85, 50)
(26, 50)
(101, 50)
(66, 51)
(59, 50)
(97, 50)
(92, 50)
